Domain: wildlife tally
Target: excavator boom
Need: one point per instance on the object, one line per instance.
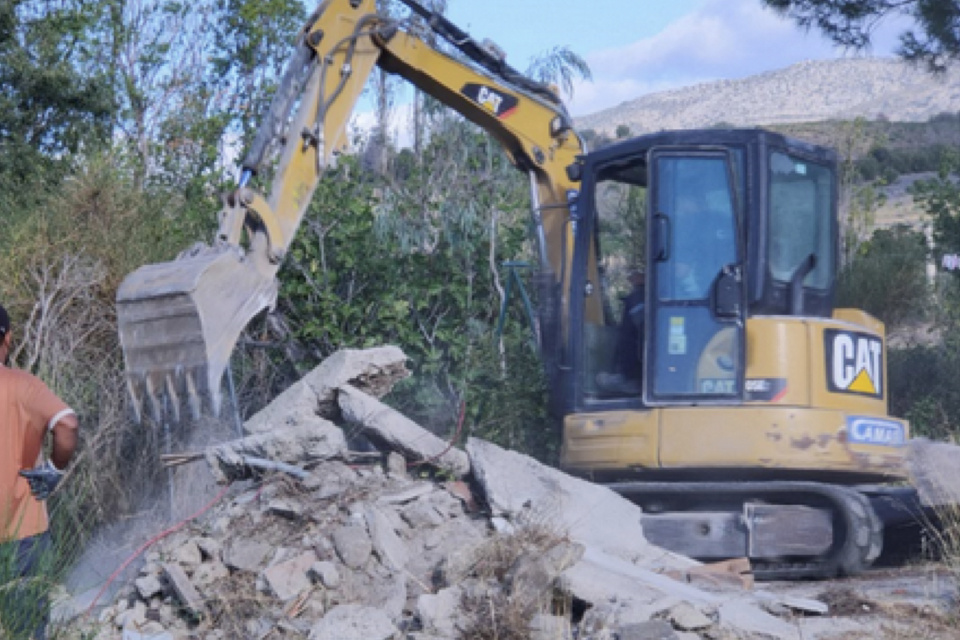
(179, 321)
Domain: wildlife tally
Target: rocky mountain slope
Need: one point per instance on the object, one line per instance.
(807, 91)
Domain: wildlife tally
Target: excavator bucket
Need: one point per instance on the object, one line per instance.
(179, 322)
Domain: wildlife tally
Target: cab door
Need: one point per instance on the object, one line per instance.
(695, 291)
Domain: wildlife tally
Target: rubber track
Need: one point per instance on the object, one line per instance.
(857, 529)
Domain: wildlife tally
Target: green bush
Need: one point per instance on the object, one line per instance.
(887, 277)
(923, 387)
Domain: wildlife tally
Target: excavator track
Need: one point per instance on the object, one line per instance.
(789, 530)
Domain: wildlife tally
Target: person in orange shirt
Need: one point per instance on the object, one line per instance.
(29, 414)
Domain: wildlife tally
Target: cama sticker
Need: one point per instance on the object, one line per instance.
(854, 362)
(864, 430)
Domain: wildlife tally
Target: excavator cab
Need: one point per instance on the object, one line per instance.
(748, 416)
(726, 225)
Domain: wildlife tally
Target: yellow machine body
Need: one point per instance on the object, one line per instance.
(800, 425)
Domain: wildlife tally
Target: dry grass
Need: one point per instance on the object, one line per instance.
(506, 583)
(947, 539)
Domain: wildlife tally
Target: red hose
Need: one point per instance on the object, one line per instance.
(146, 545)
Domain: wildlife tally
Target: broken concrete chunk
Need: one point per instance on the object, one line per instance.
(135, 616)
(686, 617)
(378, 587)
(147, 631)
(462, 492)
(523, 490)
(742, 616)
(209, 547)
(421, 515)
(391, 429)
(388, 546)
(354, 622)
(296, 406)
(640, 593)
(651, 630)
(148, 586)
(210, 573)
(785, 602)
(407, 495)
(183, 588)
(311, 441)
(325, 573)
(374, 371)
(396, 465)
(438, 613)
(187, 554)
(353, 545)
(284, 509)
(246, 555)
(290, 578)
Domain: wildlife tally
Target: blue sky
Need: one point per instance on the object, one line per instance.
(640, 46)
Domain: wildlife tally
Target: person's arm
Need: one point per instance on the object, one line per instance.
(62, 424)
(64, 441)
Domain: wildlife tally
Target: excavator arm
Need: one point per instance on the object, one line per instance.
(179, 321)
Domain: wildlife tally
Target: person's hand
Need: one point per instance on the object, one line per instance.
(43, 479)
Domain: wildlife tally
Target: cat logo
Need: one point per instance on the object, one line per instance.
(489, 99)
(854, 362)
(496, 102)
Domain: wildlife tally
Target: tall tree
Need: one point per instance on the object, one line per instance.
(933, 39)
(158, 49)
(559, 66)
(254, 40)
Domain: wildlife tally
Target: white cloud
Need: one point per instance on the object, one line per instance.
(721, 39)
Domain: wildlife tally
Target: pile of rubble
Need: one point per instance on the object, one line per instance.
(418, 540)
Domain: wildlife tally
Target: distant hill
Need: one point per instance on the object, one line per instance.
(874, 88)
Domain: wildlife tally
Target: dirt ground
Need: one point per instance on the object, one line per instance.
(914, 602)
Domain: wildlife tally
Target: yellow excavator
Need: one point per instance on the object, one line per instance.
(745, 413)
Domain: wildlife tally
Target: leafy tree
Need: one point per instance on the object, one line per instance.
(159, 51)
(54, 98)
(939, 197)
(254, 39)
(933, 40)
(559, 66)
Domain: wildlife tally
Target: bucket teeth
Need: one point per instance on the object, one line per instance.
(179, 322)
(156, 402)
(165, 393)
(135, 394)
(173, 398)
(193, 396)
